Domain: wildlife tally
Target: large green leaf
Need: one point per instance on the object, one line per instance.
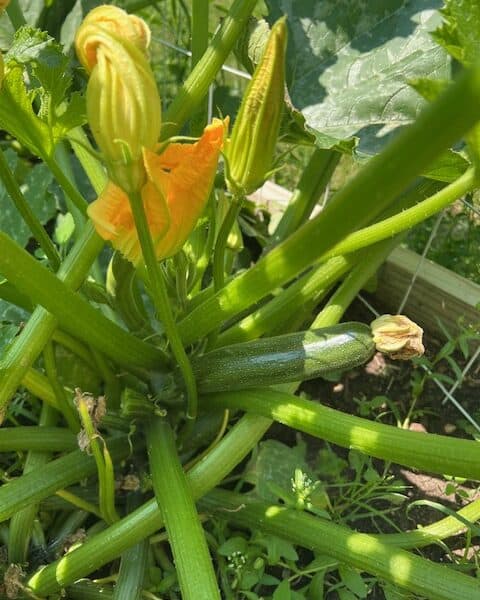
(349, 63)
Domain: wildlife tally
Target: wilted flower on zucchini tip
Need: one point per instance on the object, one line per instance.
(123, 108)
(397, 336)
(4, 4)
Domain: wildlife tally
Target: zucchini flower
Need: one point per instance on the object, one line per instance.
(251, 149)
(124, 113)
(4, 4)
(397, 336)
(178, 183)
(123, 104)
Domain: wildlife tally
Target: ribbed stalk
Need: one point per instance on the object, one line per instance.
(428, 452)
(287, 303)
(312, 185)
(37, 439)
(346, 292)
(29, 344)
(56, 475)
(72, 312)
(143, 522)
(193, 563)
(407, 218)
(21, 523)
(358, 202)
(196, 85)
(360, 550)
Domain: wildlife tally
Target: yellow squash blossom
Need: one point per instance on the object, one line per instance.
(123, 109)
(123, 104)
(178, 184)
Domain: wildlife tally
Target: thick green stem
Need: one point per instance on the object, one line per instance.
(311, 186)
(162, 302)
(360, 200)
(29, 344)
(36, 439)
(196, 85)
(143, 522)
(63, 402)
(288, 302)
(361, 551)
(193, 563)
(428, 452)
(200, 11)
(344, 295)
(21, 523)
(39, 386)
(408, 218)
(133, 565)
(72, 312)
(56, 475)
(221, 243)
(27, 213)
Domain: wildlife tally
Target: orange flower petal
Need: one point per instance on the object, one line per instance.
(113, 219)
(183, 174)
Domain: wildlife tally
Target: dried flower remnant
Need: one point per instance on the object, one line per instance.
(398, 337)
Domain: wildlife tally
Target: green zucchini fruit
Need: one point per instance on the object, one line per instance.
(293, 357)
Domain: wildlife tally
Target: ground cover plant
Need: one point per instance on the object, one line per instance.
(154, 324)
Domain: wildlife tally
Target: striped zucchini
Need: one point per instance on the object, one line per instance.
(293, 357)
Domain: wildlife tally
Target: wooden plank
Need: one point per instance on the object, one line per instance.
(437, 293)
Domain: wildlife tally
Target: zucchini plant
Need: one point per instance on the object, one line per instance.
(159, 338)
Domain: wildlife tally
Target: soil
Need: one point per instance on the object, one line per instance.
(382, 377)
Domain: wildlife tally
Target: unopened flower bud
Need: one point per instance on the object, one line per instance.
(123, 104)
(251, 149)
(397, 336)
